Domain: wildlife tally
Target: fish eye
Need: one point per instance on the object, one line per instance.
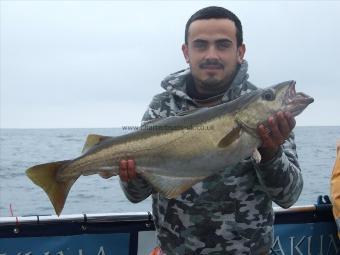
(268, 95)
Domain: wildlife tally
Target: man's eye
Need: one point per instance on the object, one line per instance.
(200, 45)
(223, 45)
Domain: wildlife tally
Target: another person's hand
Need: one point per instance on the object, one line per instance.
(127, 171)
(280, 125)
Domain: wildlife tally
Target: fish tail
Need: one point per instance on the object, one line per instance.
(45, 176)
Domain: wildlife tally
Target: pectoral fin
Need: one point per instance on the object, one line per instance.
(231, 137)
(93, 140)
(171, 186)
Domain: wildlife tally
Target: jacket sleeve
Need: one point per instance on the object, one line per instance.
(281, 176)
(139, 189)
(335, 188)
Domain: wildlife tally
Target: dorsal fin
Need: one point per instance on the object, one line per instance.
(153, 120)
(169, 121)
(92, 140)
(183, 113)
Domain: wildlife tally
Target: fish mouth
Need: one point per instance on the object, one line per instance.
(296, 101)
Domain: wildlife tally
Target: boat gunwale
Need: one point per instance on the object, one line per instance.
(314, 210)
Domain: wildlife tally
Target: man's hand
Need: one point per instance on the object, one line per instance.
(279, 128)
(127, 171)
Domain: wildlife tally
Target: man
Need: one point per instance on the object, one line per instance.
(335, 187)
(228, 213)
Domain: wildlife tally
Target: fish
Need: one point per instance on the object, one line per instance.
(176, 152)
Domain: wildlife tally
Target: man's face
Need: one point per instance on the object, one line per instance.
(212, 52)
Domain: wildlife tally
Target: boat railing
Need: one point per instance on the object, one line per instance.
(307, 213)
(80, 218)
(307, 229)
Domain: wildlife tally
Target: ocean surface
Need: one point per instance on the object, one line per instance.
(23, 148)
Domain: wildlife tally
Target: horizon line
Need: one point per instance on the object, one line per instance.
(121, 127)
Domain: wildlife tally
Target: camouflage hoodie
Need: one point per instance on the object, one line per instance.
(228, 213)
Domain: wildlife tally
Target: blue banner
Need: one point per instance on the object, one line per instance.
(87, 244)
(289, 239)
(308, 238)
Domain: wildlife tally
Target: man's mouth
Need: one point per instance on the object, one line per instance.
(211, 66)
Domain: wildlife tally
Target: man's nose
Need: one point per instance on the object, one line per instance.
(211, 53)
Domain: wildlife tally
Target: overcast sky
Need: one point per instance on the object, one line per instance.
(99, 63)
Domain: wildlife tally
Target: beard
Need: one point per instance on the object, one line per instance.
(212, 82)
(216, 82)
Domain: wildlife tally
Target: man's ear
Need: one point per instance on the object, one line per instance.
(185, 51)
(240, 52)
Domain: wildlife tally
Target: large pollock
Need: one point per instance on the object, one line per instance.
(175, 153)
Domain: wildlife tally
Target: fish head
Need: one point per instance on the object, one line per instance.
(267, 102)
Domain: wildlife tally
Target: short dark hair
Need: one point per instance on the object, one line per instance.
(215, 12)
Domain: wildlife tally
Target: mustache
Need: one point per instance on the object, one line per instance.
(211, 63)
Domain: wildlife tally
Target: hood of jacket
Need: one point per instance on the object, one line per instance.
(176, 83)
